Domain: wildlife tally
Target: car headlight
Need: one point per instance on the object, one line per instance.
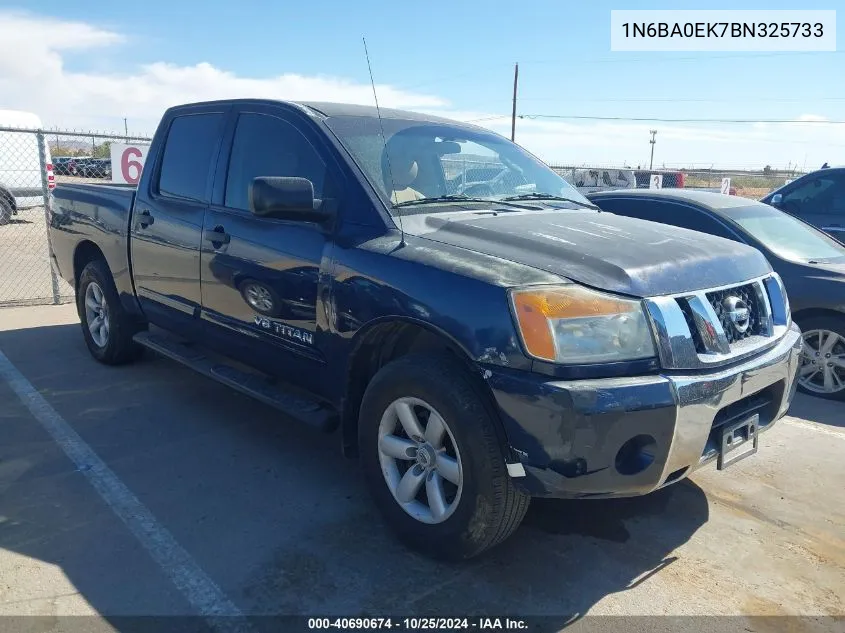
(572, 324)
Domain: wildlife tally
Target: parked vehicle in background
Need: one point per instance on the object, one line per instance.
(474, 348)
(96, 168)
(61, 165)
(817, 198)
(671, 179)
(21, 172)
(811, 264)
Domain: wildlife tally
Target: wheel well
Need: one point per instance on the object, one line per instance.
(384, 343)
(816, 312)
(85, 253)
(7, 195)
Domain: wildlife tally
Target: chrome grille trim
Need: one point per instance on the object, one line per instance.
(677, 342)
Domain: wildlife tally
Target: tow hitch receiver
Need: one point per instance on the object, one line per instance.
(739, 440)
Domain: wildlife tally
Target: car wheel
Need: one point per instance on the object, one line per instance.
(106, 326)
(433, 460)
(6, 210)
(261, 297)
(822, 371)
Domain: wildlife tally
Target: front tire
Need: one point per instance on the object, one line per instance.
(106, 326)
(433, 460)
(822, 371)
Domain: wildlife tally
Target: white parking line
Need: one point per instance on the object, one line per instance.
(177, 564)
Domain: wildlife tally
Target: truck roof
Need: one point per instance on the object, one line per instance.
(329, 109)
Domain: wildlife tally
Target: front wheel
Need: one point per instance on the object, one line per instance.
(433, 460)
(822, 371)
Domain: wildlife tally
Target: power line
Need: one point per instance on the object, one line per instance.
(649, 119)
(673, 100)
(664, 120)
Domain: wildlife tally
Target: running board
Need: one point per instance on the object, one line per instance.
(300, 407)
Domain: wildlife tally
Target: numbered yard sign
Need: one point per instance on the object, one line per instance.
(127, 161)
(726, 186)
(656, 181)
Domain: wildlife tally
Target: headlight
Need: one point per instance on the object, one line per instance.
(571, 324)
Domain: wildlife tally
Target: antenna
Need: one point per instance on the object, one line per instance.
(384, 142)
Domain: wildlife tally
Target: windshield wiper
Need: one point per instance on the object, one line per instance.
(459, 198)
(549, 196)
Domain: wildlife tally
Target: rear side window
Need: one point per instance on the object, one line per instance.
(265, 145)
(668, 213)
(188, 152)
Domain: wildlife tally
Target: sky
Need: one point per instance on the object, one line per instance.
(88, 65)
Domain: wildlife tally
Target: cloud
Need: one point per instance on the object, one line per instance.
(34, 77)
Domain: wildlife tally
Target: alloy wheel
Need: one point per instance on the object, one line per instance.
(822, 362)
(420, 460)
(97, 314)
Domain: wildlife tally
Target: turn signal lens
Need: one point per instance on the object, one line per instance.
(572, 324)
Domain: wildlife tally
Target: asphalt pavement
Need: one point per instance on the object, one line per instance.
(148, 490)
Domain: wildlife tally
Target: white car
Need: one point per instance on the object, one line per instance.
(21, 174)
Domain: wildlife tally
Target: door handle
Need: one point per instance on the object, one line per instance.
(832, 227)
(145, 219)
(217, 236)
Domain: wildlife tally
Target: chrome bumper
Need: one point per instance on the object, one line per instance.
(568, 436)
(700, 398)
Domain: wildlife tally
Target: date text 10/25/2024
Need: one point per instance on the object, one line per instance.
(418, 624)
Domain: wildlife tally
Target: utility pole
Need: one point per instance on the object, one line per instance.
(652, 141)
(513, 115)
(126, 129)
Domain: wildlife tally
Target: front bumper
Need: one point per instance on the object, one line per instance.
(567, 435)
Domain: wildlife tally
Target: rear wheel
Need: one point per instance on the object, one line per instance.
(433, 461)
(106, 326)
(822, 371)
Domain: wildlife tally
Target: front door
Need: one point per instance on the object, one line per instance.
(262, 277)
(166, 230)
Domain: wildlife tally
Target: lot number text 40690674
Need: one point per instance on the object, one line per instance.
(419, 624)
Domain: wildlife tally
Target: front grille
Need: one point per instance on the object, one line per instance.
(749, 297)
(693, 328)
(696, 330)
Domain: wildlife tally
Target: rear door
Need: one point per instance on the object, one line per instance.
(262, 277)
(820, 201)
(166, 230)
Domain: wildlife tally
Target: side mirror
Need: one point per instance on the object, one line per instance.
(286, 199)
(776, 200)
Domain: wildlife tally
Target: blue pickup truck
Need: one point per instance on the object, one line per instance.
(475, 342)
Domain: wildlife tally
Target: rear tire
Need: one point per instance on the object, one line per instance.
(478, 505)
(822, 371)
(106, 326)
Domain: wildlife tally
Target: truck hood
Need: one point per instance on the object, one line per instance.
(598, 249)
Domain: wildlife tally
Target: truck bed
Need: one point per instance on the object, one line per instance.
(99, 213)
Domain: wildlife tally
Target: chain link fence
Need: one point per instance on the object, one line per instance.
(463, 173)
(748, 184)
(31, 163)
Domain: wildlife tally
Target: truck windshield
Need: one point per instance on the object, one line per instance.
(785, 236)
(444, 162)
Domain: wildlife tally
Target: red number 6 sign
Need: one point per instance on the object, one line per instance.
(127, 162)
